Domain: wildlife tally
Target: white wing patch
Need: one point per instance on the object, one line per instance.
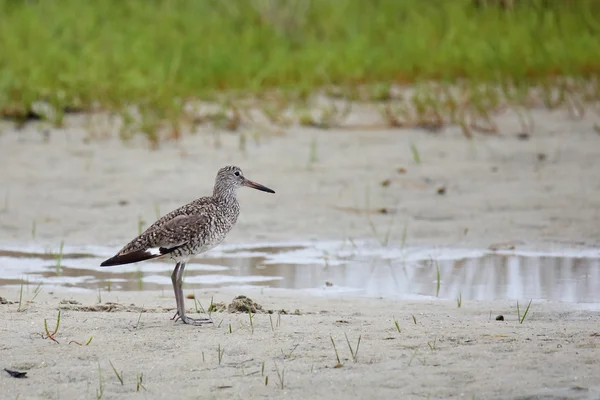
(155, 251)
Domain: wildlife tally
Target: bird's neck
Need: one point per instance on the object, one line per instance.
(225, 194)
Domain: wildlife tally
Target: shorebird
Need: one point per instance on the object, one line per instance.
(192, 229)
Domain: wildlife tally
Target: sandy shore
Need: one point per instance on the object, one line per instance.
(450, 352)
(497, 188)
(543, 192)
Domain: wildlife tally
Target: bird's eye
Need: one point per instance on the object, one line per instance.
(237, 173)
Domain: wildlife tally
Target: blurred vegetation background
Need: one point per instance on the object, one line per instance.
(160, 54)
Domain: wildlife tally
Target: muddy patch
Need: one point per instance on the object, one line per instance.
(243, 304)
(109, 307)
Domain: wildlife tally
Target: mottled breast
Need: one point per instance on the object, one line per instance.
(221, 219)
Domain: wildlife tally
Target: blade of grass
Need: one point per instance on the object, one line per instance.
(281, 375)
(522, 319)
(337, 356)
(352, 351)
(415, 153)
(119, 377)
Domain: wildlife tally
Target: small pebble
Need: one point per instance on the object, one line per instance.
(541, 157)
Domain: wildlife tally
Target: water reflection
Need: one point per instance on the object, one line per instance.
(480, 275)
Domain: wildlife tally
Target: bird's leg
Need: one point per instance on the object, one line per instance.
(174, 281)
(181, 305)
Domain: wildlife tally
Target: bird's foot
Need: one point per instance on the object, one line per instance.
(191, 321)
(194, 321)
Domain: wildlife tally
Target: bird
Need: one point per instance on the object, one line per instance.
(191, 229)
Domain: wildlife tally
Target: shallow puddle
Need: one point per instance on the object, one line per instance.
(327, 268)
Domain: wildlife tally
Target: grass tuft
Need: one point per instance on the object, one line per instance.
(337, 356)
(51, 335)
(220, 352)
(139, 381)
(271, 321)
(522, 317)
(353, 352)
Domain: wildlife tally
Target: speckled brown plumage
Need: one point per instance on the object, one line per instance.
(189, 230)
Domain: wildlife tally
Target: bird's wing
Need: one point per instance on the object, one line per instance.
(161, 240)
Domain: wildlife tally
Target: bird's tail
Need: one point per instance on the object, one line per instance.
(130, 258)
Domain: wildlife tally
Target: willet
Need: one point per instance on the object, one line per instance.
(189, 230)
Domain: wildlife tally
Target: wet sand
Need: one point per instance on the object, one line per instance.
(540, 193)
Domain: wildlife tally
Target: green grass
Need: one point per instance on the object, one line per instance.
(137, 324)
(58, 257)
(438, 279)
(100, 390)
(415, 154)
(119, 376)
(37, 291)
(337, 355)
(139, 381)
(51, 335)
(21, 308)
(353, 352)
(251, 317)
(290, 354)
(220, 352)
(81, 344)
(158, 55)
(522, 317)
(280, 376)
